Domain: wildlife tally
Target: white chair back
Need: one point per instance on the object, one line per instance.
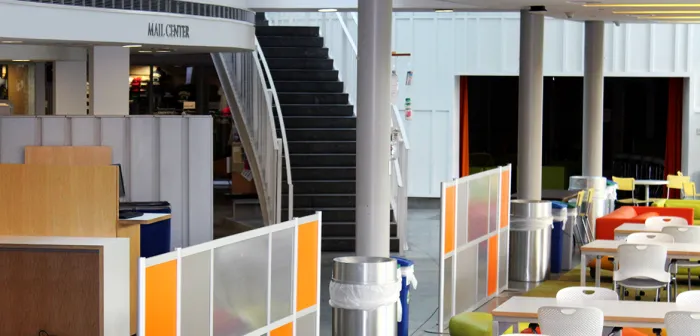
(649, 238)
(566, 321)
(680, 323)
(657, 223)
(574, 294)
(647, 261)
(689, 300)
(683, 234)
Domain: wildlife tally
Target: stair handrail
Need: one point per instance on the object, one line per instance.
(349, 82)
(399, 168)
(283, 130)
(343, 26)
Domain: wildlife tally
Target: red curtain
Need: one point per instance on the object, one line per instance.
(674, 132)
(463, 127)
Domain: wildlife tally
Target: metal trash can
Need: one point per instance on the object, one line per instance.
(610, 196)
(599, 202)
(530, 239)
(364, 296)
(568, 247)
(408, 281)
(557, 246)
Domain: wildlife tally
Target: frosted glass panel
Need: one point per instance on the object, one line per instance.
(478, 208)
(482, 272)
(461, 209)
(196, 277)
(493, 201)
(306, 325)
(447, 293)
(240, 287)
(503, 260)
(466, 281)
(282, 272)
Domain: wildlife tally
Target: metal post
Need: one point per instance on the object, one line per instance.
(373, 127)
(529, 179)
(593, 98)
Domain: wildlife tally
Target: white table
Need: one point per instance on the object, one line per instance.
(146, 218)
(626, 229)
(647, 184)
(630, 314)
(603, 247)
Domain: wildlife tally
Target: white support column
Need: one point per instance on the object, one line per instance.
(70, 88)
(373, 128)
(593, 98)
(109, 80)
(529, 181)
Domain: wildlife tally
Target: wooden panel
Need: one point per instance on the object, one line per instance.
(55, 290)
(42, 200)
(133, 232)
(68, 155)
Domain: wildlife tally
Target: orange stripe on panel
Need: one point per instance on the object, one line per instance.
(450, 219)
(285, 330)
(307, 266)
(492, 279)
(161, 299)
(505, 197)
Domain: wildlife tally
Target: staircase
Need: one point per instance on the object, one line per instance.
(321, 132)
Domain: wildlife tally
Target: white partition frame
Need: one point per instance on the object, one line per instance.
(163, 158)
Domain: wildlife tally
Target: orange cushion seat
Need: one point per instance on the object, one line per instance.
(605, 226)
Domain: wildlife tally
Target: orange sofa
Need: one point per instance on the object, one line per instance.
(606, 225)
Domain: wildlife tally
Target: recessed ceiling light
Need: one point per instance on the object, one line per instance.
(145, 51)
(693, 17)
(657, 12)
(327, 10)
(132, 46)
(163, 51)
(444, 11)
(11, 42)
(644, 5)
(20, 60)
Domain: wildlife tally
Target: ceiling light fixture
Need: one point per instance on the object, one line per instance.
(444, 11)
(20, 60)
(327, 10)
(163, 51)
(645, 5)
(132, 46)
(145, 51)
(11, 42)
(657, 12)
(692, 17)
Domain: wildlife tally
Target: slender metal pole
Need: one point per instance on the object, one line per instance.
(593, 98)
(373, 127)
(530, 106)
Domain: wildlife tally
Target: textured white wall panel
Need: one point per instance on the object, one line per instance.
(167, 158)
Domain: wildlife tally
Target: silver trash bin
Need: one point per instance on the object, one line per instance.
(364, 294)
(599, 205)
(531, 225)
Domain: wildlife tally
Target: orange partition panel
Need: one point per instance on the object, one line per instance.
(161, 299)
(505, 197)
(285, 330)
(307, 266)
(450, 219)
(492, 279)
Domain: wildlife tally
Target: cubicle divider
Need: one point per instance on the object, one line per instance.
(260, 282)
(163, 158)
(474, 230)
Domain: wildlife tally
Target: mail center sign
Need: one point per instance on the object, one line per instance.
(168, 30)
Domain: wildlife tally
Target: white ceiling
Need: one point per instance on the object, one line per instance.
(591, 10)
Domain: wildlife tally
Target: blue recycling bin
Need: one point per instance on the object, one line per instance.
(557, 245)
(407, 280)
(155, 238)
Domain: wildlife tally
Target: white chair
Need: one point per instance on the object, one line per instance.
(683, 234)
(649, 238)
(642, 266)
(680, 323)
(689, 299)
(657, 223)
(574, 294)
(570, 321)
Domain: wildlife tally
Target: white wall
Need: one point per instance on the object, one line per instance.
(445, 45)
(109, 70)
(166, 158)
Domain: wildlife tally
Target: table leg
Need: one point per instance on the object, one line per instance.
(597, 271)
(494, 328)
(646, 193)
(583, 269)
